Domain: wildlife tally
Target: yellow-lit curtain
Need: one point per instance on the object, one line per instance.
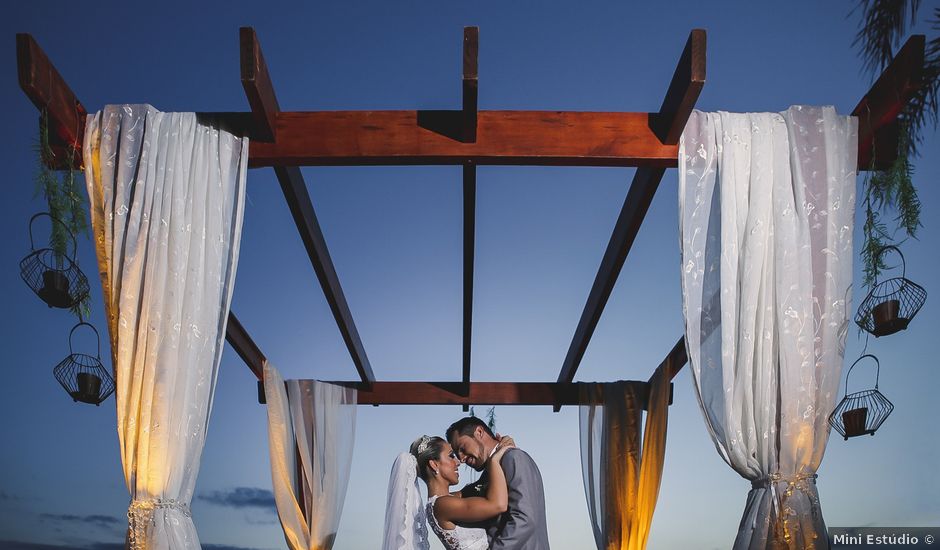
(311, 430)
(622, 475)
(167, 196)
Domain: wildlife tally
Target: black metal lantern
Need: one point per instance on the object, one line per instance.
(83, 376)
(861, 412)
(55, 278)
(891, 304)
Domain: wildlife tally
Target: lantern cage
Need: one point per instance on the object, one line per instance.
(83, 376)
(861, 412)
(55, 278)
(891, 304)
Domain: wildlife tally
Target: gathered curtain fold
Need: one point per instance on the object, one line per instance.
(622, 475)
(766, 210)
(167, 196)
(311, 431)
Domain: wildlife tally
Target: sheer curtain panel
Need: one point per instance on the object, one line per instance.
(621, 475)
(311, 431)
(766, 209)
(167, 194)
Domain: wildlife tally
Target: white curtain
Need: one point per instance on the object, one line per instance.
(766, 204)
(622, 476)
(311, 430)
(167, 195)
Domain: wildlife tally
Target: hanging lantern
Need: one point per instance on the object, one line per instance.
(83, 376)
(861, 412)
(55, 278)
(891, 304)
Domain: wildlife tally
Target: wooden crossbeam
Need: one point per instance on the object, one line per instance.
(48, 91)
(481, 393)
(244, 346)
(687, 82)
(877, 124)
(432, 137)
(263, 101)
(879, 109)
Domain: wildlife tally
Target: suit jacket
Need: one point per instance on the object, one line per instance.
(523, 526)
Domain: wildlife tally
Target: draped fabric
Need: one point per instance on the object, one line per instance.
(621, 475)
(766, 204)
(311, 430)
(167, 195)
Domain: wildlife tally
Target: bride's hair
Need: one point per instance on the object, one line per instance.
(426, 448)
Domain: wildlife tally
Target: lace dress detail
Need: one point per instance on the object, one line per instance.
(459, 538)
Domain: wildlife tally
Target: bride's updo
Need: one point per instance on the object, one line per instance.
(426, 448)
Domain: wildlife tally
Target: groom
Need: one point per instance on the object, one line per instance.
(522, 526)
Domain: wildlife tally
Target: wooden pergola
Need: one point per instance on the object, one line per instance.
(469, 137)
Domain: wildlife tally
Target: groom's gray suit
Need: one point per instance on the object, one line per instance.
(523, 526)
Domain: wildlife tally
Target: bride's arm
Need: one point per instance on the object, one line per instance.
(473, 509)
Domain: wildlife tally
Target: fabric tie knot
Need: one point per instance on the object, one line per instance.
(140, 514)
(799, 481)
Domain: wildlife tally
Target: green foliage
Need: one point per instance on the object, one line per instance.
(886, 191)
(490, 417)
(884, 23)
(66, 203)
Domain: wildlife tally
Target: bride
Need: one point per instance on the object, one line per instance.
(433, 460)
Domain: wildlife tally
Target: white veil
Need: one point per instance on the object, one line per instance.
(406, 525)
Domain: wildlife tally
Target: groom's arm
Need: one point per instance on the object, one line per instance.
(526, 500)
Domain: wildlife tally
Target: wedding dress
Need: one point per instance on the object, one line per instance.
(459, 538)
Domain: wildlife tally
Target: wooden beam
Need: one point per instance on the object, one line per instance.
(888, 96)
(469, 230)
(258, 86)
(687, 82)
(244, 346)
(673, 362)
(48, 91)
(471, 48)
(432, 137)
(877, 112)
(481, 393)
(261, 96)
(295, 191)
(684, 89)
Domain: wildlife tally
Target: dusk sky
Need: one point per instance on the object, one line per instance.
(394, 234)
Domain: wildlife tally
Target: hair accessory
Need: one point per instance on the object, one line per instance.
(425, 442)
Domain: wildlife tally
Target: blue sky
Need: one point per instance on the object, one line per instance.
(395, 237)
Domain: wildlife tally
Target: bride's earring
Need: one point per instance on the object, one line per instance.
(433, 470)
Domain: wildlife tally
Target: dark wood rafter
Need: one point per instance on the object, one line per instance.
(48, 91)
(878, 111)
(687, 82)
(469, 229)
(471, 46)
(877, 126)
(481, 393)
(260, 91)
(244, 346)
(468, 137)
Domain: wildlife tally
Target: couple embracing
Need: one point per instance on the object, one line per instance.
(504, 510)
